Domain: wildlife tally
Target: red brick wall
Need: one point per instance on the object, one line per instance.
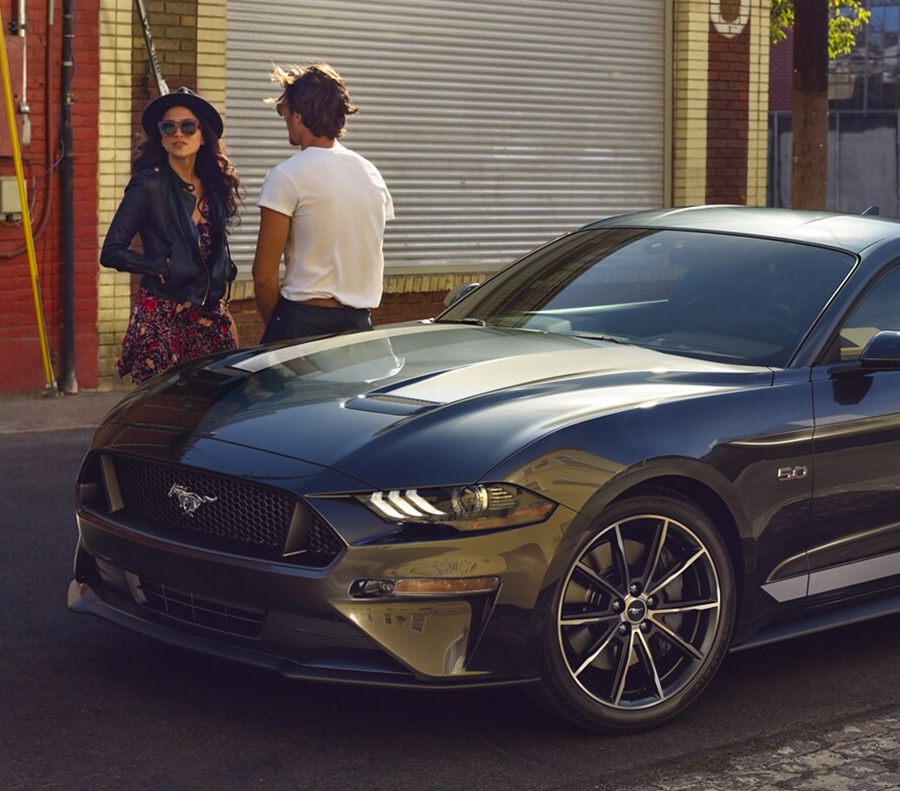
(728, 119)
(20, 351)
(249, 324)
(408, 307)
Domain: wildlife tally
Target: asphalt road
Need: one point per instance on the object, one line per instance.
(86, 705)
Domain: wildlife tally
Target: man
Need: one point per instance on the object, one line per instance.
(324, 210)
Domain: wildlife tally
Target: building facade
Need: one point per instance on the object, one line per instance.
(496, 126)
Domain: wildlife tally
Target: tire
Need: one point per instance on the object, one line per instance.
(642, 616)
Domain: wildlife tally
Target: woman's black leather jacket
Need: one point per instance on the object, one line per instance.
(157, 206)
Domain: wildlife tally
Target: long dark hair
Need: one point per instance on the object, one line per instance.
(213, 167)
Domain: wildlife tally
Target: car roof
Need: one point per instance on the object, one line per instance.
(851, 232)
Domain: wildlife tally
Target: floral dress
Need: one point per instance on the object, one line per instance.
(162, 332)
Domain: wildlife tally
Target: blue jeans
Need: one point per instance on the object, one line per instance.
(298, 320)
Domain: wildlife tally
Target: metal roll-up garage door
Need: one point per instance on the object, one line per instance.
(496, 124)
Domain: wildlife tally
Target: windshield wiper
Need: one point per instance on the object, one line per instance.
(467, 320)
(591, 336)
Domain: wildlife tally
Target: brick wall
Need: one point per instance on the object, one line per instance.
(758, 105)
(20, 346)
(727, 113)
(691, 33)
(720, 91)
(173, 25)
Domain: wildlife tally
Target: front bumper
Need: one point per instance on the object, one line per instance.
(306, 624)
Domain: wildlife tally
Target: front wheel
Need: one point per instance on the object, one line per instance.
(642, 616)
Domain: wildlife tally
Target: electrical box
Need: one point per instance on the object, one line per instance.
(15, 46)
(10, 205)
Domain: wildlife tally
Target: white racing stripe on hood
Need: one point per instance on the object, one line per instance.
(491, 375)
(269, 359)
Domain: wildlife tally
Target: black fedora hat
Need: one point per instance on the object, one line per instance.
(183, 97)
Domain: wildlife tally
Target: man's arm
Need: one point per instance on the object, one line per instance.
(273, 234)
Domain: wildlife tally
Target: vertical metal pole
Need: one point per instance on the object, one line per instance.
(151, 50)
(67, 380)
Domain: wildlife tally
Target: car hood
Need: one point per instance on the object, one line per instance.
(407, 404)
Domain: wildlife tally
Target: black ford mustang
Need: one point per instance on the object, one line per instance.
(654, 439)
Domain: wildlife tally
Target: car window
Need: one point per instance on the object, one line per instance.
(879, 310)
(700, 294)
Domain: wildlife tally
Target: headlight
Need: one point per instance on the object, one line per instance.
(475, 507)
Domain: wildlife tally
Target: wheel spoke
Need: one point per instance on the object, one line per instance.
(581, 619)
(618, 688)
(677, 572)
(677, 640)
(687, 606)
(597, 579)
(595, 650)
(649, 665)
(624, 571)
(655, 553)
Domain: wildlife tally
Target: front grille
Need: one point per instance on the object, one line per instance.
(221, 513)
(206, 613)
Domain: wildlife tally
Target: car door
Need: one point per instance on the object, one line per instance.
(855, 517)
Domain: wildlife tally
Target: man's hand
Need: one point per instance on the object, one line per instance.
(273, 233)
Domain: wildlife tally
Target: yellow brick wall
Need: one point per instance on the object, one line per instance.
(691, 44)
(113, 170)
(758, 138)
(211, 52)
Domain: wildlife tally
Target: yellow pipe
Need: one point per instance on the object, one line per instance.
(23, 200)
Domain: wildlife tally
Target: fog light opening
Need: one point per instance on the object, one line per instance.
(392, 588)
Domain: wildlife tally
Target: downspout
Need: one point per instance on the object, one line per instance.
(24, 109)
(67, 381)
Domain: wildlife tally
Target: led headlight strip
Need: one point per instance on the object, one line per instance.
(404, 505)
(469, 507)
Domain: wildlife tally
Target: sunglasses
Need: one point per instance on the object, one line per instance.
(169, 128)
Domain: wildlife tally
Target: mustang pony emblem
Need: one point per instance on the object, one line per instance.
(188, 501)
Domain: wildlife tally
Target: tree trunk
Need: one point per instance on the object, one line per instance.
(809, 153)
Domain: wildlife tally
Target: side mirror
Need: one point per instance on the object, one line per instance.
(458, 293)
(882, 352)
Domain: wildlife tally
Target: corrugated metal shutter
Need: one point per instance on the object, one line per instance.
(496, 124)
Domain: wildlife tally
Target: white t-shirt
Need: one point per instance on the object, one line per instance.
(338, 204)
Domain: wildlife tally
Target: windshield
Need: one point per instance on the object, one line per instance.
(706, 295)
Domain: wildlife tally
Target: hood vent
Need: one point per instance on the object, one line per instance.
(390, 405)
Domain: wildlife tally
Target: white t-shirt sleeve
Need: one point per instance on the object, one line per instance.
(278, 193)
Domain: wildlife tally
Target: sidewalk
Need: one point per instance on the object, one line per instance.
(39, 412)
(860, 756)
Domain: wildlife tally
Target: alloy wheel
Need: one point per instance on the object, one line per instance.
(639, 613)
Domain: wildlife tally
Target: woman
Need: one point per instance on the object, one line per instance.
(181, 203)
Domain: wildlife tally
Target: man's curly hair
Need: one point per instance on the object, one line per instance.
(318, 93)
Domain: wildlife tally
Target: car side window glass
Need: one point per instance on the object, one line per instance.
(879, 310)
